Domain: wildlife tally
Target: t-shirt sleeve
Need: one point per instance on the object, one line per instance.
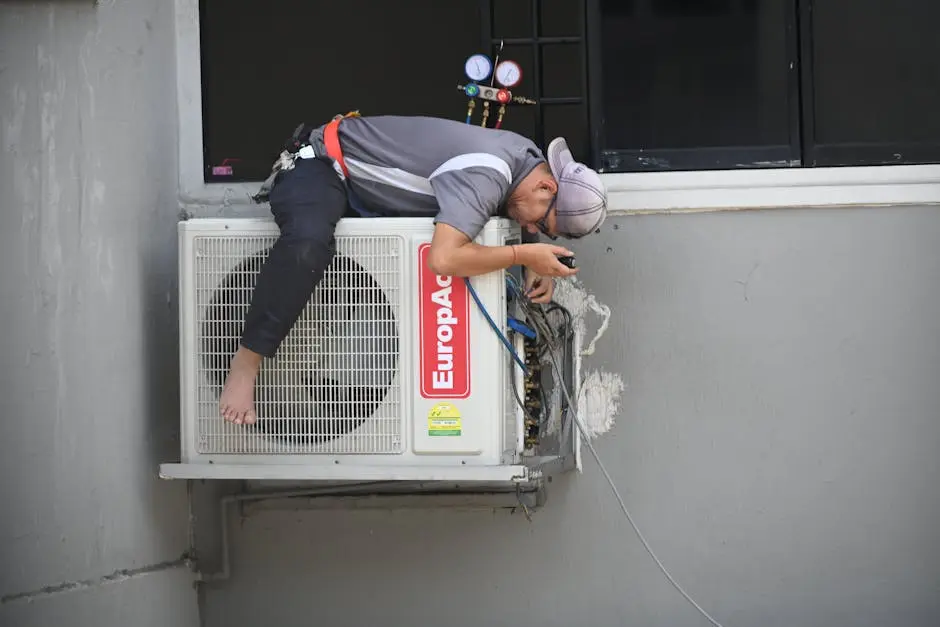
(469, 197)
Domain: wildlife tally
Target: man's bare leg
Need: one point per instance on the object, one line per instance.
(307, 203)
(237, 403)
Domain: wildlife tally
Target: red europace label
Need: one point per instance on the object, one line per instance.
(443, 331)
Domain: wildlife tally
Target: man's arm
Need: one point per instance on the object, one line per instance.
(453, 254)
(468, 198)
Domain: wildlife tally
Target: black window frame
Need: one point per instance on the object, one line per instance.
(803, 151)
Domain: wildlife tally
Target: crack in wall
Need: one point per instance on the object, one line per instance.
(117, 576)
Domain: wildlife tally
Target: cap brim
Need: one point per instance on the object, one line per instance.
(558, 156)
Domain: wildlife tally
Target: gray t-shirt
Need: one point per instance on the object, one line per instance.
(460, 174)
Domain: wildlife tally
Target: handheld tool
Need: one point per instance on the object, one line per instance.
(568, 261)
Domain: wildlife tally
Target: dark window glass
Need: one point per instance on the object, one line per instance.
(875, 81)
(560, 18)
(267, 66)
(512, 19)
(692, 84)
(565, 120)
(562, 70)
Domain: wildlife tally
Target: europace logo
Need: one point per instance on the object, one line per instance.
(444, 332)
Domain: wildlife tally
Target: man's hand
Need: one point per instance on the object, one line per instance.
(452, 253)
(539, 289)
(542, 259)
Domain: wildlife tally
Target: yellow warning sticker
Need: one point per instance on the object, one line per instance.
(444, 419)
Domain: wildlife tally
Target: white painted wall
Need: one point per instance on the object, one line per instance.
(88, 374)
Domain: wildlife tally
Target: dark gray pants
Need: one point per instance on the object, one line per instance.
(307, 202)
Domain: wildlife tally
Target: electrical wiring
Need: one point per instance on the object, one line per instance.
(493, 325)
(542, 329)
(519, 402)
(587, 440)
(547, 340)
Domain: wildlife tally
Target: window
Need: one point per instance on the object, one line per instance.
(871, 82)
(726, 84)
(634, 85)
(268, 66)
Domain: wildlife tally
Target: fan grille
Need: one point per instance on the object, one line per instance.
(333, 386)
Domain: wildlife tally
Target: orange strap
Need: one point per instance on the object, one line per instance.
(331, 140)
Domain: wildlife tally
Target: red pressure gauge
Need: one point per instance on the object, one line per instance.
(508, 73)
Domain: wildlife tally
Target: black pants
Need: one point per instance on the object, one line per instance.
(307, 202)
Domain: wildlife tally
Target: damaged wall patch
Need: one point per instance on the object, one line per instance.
(598, 396)
(599, 401)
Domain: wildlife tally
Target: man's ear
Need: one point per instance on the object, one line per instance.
(549, 184)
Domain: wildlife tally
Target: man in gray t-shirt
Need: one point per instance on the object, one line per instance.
(459, 174)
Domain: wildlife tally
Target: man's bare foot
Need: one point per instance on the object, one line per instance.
(237, 404)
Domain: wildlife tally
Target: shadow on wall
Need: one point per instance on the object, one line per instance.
(161, 333)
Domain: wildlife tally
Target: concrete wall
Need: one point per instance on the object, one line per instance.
(88, 374)
(777, 444)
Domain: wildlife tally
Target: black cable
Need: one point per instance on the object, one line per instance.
(548, 336)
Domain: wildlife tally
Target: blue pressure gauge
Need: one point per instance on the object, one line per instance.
(478, 67)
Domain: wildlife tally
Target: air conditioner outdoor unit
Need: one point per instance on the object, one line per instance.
(390, 373)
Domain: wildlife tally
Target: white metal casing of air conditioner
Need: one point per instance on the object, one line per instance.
(449, 413)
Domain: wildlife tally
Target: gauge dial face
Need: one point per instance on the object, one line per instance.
(508, 73)
(478, 67)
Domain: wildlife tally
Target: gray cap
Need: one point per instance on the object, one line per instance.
(581, 205)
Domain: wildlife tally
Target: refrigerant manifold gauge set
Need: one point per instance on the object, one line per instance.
(502, 76)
